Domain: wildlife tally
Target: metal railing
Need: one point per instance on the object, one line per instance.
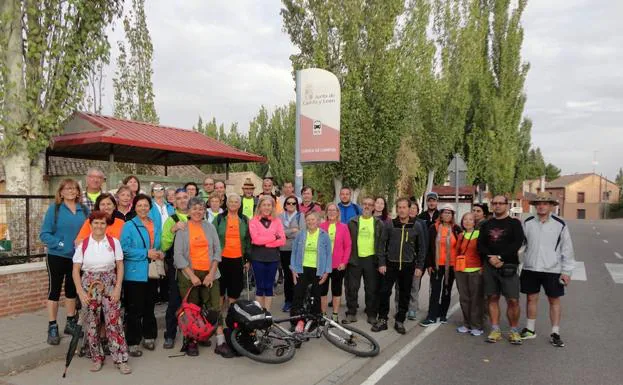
(21, 217)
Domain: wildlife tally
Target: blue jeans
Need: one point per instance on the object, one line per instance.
(264, 273)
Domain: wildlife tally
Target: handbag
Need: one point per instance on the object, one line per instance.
(155, 269)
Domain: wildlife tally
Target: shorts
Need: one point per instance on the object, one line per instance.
(495, 284)
(59, 270)
(531, 282)
(231, 280)
(337, 282)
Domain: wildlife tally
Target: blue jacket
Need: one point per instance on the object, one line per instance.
(134, 251)
(349, 212)
(154, 213)
(323, 264)
(67, 227)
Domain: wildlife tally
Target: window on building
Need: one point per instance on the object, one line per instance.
(605, 196)
(580, 197)
(581, 214)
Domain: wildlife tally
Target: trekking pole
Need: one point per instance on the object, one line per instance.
(248, 285)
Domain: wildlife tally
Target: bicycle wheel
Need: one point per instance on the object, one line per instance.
(270, 346)
(351, 340)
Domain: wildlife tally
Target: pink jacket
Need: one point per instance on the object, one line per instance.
(273, 236)
(341, 248)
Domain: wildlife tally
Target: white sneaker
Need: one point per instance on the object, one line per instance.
(462, 329)
(477, 332)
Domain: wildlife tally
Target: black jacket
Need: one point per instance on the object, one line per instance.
(353, 227)
(425, 217)
(403, 243)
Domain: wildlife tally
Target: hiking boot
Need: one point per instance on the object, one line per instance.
(169, 343)
(191, 349)
(335, 317)
(494, 336)
(477, 332)
(350, 318)
(124, 368)
(70, 327)
(555, 340)
(371, 320)
(514, 338)
(224, 351)
(427, 322)
(149, 344)
(380, 325)
(53, 337)
(411, 315)
(287, 306)
(527, 334)
(400, 328)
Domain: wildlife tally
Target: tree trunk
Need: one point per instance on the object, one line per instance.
(38, 186)
(337, 186)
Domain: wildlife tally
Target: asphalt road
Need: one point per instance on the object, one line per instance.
(591, 328)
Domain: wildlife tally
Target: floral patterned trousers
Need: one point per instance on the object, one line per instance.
(101, 300)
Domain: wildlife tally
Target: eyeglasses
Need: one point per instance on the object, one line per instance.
(499, 203)
(290, 203)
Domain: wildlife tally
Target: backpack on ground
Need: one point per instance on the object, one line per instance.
(196, 323)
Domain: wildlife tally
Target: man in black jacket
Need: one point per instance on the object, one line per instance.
(402, 258)
(365, 232)
(431, 214)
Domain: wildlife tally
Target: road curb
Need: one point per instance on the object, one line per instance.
(36, 355)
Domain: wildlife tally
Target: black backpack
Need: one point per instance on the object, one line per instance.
(248, 316)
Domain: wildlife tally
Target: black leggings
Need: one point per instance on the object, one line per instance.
(59, 269)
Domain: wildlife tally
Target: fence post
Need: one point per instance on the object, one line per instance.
(27, 227)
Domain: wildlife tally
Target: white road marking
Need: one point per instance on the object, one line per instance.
(395, 359)
(579, 272)
(605, 241)
(616, 271)
(618, 255)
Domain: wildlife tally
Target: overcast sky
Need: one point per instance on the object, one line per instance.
(227, 58)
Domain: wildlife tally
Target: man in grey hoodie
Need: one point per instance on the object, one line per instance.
(548, 262)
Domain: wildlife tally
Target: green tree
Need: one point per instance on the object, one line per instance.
(619, 181)
(355, 40)
(47, 49)
(551, 172)
(133, 87)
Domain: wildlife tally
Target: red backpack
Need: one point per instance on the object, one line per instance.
(195, 322)
(85, 243)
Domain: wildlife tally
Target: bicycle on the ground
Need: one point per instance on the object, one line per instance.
(276, 344)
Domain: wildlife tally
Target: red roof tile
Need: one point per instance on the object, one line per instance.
(96, 134)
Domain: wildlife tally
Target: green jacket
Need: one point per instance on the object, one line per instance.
(166, 241)
(220, 222)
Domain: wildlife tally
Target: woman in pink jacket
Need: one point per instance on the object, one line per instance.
(341, 244)
(267, 235)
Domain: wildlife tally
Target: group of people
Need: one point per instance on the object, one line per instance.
(128, 250)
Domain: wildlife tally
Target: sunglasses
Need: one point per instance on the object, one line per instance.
(158, 189)
(291, 203)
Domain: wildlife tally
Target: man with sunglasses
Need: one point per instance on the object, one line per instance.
(500, 239)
